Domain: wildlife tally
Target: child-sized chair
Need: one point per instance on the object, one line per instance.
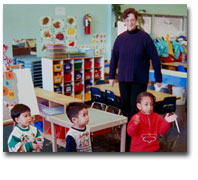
(169, 106)
(97, 98)
(111, 101)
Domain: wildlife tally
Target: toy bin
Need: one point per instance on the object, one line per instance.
(60, 132)
(87, 86)
(57, 88)
(97, 74)
(68, 88)
(88, 75)
(57, 67)
(78, 96)
(78, 87)
(97, 64)
(67, 67)
(67, 77)
(78, 64)
(57, 78)
(78, 76)
(88, 64)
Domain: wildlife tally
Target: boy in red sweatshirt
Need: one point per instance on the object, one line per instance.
(146, 125)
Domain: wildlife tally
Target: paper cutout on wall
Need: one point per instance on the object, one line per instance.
(9, 75)
(59, 35)
(71, 32)
(7, 83)
(5, 91)
(58, 24)
(45, 21)
(11, 94)
(46, 33)
(71, 42)
(71, 21)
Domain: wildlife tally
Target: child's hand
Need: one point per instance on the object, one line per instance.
(35, 146)
(137, 120)
(171, 118)
(39, 142)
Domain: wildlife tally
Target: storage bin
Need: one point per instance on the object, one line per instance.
(78, 76)
(97, 74)
(78, 87)
(88, 75)
(57, 79)
(67, 67)
(78, 96)
(88, 85)
(60, 132)
(68, 88)
(67, 77)
(97, 64)
(57, 67)
(87, 96)
(78, 64)
(88, 64)
(39, 125)
(57, 88)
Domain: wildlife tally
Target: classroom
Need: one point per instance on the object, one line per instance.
(57, 54)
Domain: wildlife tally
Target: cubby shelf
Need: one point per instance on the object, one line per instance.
(78, 73)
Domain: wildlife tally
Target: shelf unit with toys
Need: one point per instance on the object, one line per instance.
(72, 76)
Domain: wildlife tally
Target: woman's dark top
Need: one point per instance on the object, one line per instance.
(132, 52)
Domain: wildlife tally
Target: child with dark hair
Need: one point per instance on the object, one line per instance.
(24, 138)
(145, 126)
(78, 136)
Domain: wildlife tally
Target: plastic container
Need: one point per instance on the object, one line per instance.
(78, 64)
(88, 75)
(58, 67)
(68, 88)
(88, 64)
(67, 67)
(57, 79)
(78, 87)
(97, 74)
(78, 76)
(67, 77)
(179, 91)
(97, 64)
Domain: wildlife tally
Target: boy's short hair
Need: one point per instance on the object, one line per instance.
(129, 11)
(18, 109)
(74, 108)
(145, 94)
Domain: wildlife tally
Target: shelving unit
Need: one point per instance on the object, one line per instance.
(72, 76)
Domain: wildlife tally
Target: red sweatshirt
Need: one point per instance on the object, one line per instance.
(144, 135)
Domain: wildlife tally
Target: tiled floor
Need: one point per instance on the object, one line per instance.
(172, 142)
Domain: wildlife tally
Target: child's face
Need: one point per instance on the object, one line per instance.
(146, 105)
(24, 119)
(82, 120)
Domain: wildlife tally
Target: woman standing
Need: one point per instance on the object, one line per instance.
(132, 52)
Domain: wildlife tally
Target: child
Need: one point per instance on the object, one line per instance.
(24, 138)
(146, 125)
(78, 136)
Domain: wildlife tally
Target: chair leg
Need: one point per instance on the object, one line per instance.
(178, 130)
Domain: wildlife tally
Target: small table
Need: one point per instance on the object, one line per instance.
(98, 120)
(173, 65)
(159, 95)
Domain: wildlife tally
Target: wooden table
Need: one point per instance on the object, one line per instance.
(173, 65)
(159, 95)
(98, 120)
(53, 98)
(171, 77)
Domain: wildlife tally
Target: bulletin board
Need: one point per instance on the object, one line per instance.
(18, 88)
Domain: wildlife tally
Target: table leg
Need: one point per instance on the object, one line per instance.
(123, 138)
(54, 143)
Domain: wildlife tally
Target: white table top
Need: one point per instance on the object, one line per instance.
(98, 120)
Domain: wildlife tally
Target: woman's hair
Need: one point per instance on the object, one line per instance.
(145, 94)
(18, 109)
(129, 11)
(74, 108)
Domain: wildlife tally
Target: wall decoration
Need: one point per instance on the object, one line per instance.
(59, 35)
(15, 92)
(46, 34)
(6, 61)
(99, 43)
(71, 42)
(71, 32)
(45, 21)
(71, 21)
(58, 23)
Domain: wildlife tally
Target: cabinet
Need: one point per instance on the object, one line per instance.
(72, 76)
